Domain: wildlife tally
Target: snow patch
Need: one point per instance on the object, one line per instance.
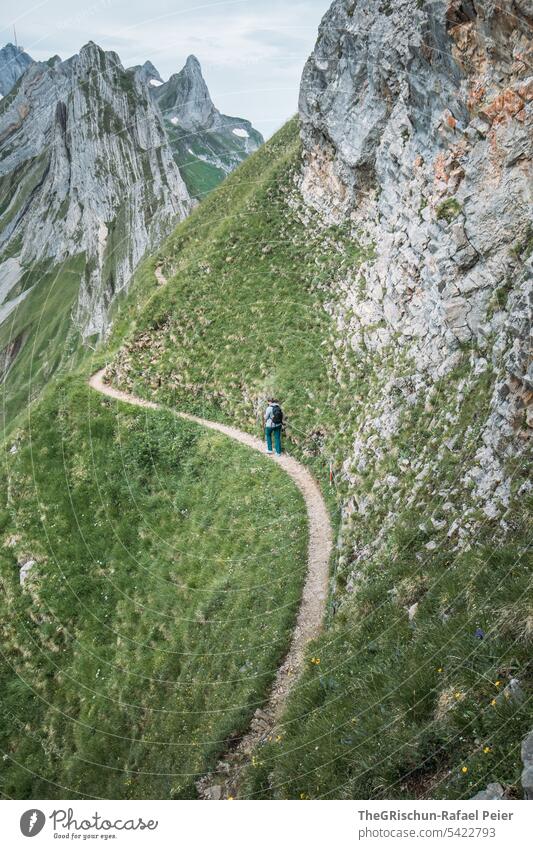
(238, 131)
(174, 121)
(156, 82)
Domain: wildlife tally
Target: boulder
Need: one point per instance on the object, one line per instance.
(493, 792)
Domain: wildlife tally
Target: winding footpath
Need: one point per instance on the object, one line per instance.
(224, 782)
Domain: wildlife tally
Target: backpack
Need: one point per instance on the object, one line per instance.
(276, 415)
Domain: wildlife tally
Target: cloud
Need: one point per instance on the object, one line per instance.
(252, 51)
(229, 37)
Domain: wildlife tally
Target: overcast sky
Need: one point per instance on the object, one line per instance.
(252, 51)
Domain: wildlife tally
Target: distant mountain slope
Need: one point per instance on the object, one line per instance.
(13, 63)
(91, 176)
(207, 145)
(85, 171)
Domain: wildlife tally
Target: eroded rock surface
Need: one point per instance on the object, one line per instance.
(416, 124)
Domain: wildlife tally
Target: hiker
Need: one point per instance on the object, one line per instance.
(273, 425)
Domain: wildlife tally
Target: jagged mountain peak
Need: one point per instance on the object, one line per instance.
(151, 71)
(206, 144)
(92, 53)
(14, 61)
(193, 64)
(12, 50)
(91, 49)
(147, 73)
(187, 97)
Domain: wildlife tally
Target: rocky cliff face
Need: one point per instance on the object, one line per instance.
(416, 124)
(85, 167)
(13, 63)
(199, 134)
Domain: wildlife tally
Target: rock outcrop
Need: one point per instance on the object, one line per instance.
(417, 125)
(86, 168)
(492, 793)
(13, 64)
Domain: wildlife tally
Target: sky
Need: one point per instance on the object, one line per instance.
(252, 52)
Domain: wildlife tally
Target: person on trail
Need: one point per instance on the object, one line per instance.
(273, 425)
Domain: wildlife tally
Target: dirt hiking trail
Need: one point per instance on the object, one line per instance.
(224, 781)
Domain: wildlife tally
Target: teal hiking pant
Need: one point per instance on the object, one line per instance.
(277, 438)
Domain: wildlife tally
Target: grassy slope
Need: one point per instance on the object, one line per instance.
(169, 567)
(200, 177)
(393, 708)
(244, 313)
(189, 149)
(400, 709)
(43, 321)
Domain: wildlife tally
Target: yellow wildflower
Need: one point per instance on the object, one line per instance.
(487, 750)
(497, 683)
(464, 770)
(493, 702)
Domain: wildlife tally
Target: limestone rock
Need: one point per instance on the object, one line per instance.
(493, 793)
(25, 568)
(186, 93)
(527, 759)
(411, 613)
(395, 140)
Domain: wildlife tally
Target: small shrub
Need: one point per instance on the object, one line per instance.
(448, 210)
